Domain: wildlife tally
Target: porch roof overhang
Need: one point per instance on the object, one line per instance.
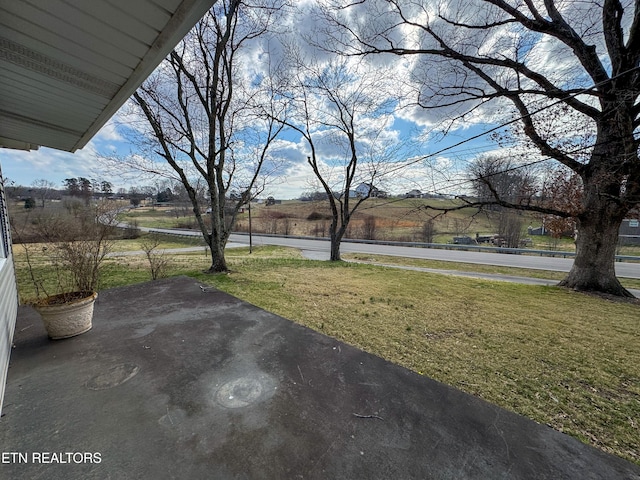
(67, 66)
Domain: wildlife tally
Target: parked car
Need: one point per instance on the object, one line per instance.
(464, 240)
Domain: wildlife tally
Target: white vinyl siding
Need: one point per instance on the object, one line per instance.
(8, 293)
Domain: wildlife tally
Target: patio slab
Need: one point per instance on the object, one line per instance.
(177, 381)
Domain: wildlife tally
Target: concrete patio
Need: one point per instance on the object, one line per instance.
(177, 381)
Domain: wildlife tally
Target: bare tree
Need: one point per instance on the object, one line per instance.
(563, 191)
(509, 229)
(340, 110)
(203, 117)
(500, 179)
(43, 189)
(578, 61)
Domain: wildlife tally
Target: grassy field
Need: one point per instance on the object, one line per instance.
(395, 219)
(564, 359)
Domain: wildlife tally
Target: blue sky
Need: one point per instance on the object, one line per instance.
(23, 168)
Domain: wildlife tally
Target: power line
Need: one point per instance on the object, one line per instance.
(510, 122)
(511, 169)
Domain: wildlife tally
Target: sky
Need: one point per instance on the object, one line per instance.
(24, 168)
(418, 129)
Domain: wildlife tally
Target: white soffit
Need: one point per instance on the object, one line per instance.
(66, 66)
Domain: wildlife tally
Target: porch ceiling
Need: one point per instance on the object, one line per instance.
(66, 66)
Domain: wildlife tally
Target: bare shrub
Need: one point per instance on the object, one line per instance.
(510, 229)
(275, 222)
(187, 224)
(158, 261)
(75, 245)
(350, 231)
(404, 238)
(286, 226)
(277, 214)
(461, 225)
(241, 227)
(74, 206)
(271, 226)
(428, 231)
(131, 231)
(313, 216)
(320, 229)
(369, 227)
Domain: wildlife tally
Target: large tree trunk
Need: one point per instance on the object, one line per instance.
(594, 265)
(218, 261)
(607, 186)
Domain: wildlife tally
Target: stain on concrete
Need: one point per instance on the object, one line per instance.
(116, 375)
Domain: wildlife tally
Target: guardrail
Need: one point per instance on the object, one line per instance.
(474, 248)
(482, 248)
(441, 246)
(451, 246)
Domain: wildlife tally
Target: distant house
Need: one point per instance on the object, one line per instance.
(629, 233)
(414, 194)
(367, 190)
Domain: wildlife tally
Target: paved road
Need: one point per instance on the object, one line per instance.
(319, 249)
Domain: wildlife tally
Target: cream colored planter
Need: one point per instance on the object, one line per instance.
(64, 320)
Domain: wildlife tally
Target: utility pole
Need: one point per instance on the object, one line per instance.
(250, 237)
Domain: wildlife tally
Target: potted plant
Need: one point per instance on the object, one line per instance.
(72, 247)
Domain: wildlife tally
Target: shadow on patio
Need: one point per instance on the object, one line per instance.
(177, 382)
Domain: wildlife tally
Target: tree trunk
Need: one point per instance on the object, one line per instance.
(606, 189)
(335, 250)
(335, 234)
(594, 265)
(218, 261)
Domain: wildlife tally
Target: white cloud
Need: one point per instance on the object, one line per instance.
(25, 167)
(110, 132)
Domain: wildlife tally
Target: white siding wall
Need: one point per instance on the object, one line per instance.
(8, 312)
(8, 293)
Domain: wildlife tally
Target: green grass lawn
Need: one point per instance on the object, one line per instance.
(468, 267)
(568, 360)
(164, 242)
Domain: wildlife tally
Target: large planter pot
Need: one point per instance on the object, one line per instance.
(67, 315)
